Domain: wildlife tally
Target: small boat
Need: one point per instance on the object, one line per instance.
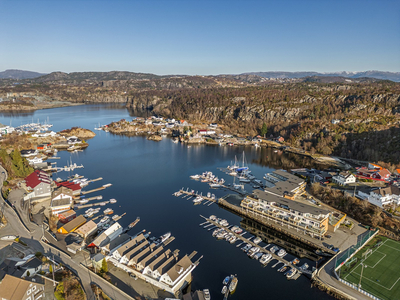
(283, 269)
(258, 255)
(304, 267)
(83, 201)
(295, 261)
(162, 238)
(115, 217)
(281, 252)
(134, 223)
(212, 217)
(198, 199)
(113, 200)
(108, 211)
(257, 240)
(291, 273)
(226, 280)
(224, 289)
(273, 249)
(102, 203)
(206, 294)
(246, 248)
(214, 185)
(195, 176)
(233, 284)
(265, 258)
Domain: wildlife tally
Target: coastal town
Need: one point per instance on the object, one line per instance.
(43, 214)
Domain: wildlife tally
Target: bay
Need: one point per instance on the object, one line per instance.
(144, 175)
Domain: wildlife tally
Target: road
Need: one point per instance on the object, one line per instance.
(33, 240)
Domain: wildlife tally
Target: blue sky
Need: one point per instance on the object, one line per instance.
(200, 37)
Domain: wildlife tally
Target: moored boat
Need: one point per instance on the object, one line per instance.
(113, 200)
(134, 223)
(233, 284)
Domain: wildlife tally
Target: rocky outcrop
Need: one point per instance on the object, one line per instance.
(78, 132)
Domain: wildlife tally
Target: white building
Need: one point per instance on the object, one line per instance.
(107, 236)
(382, 196)
(344, 178)
(61, 200)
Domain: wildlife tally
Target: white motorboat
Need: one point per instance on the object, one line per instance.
(198, 199)
(281, 252)
(257, 240)
(113, 200)
(195, 176)
(274, 249)
(265, 258)
(214, 185)
(206, 294)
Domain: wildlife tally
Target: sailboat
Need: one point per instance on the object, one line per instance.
(98, 128)
(233, 167)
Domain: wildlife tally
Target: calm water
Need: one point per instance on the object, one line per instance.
(144, 175)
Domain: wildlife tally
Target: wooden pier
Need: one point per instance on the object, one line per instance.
(248, 241)
(94, 190)
(91, 205)
(187, 193)
(88, 199)
(97, 179)
(119, 217)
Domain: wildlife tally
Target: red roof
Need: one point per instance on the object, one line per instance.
(71, 185)
(384, 173)
(35, 178)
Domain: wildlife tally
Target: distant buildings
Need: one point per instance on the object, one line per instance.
(374, 172)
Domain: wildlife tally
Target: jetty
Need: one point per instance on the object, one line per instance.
(78, 200)
(190, 193)
(263, 250)
(93, 204)
(96, 190)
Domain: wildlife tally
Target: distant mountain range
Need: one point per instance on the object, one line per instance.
(19, 74)
(394, 76)
(252, 76)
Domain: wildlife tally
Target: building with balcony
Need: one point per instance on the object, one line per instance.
(282, 183)
(305, 218)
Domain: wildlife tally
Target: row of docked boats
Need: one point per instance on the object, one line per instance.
(209, 177)
(229, 284)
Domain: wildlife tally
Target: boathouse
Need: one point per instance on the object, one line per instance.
(87, 229)
(107, 236)
(73, 225)
(61, 200)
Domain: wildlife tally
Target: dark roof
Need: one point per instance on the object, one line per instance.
(32, 263)
(389, 190)
(294, 205)
(121, 239)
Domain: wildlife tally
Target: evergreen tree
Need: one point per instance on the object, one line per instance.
(264, 130)
(104, 267)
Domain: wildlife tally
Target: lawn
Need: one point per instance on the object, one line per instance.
(379, 269)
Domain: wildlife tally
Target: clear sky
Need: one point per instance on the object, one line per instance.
(200, 37)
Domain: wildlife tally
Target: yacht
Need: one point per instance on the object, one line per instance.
(257, 240)
(226, 280)
(281, 252)
(224, 223)
(213, 218)
(253, 251)
(274, 249)
(246, 248)
(113, 200)
(198, 199)
(304, 267)
(291, 273)
(258, 255)
(265, 258)
(224, 289)
(115, 217)
(283, 268)
(214, 185)
(195, 176)
(206, 294)
(108, 211)
(295, 261)
(163, 238)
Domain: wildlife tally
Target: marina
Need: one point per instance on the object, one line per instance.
(158, 209)
(240, 237)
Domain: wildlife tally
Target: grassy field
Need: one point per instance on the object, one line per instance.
(379, 269)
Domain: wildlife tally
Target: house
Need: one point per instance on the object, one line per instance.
(67, 216)
(179, 270)
(39, 183)
(72, 140)
(280, 139)
(29, 152)
(87, 229)
(122, 252)
(150, 269)
(61, 200)
(206, 131)
(115, 244)
(344, 178)
(149, 258)
(72, 225)
(374, 172)
(335, 121)
(107, 236)
(382, 196)
(14, 288)
(5, 129)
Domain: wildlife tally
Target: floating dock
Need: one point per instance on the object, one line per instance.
(94, 190)
(97, 179)
(91, 205)
(263, 250)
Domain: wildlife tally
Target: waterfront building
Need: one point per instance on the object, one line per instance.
(115, 244)
(14, 288)
(5, 129)
(38, 184)
(72, 225)
(107, 236)
(67, 216)
(178, 270)
(87, 229)
(74, 187)
(282, 183)
(61, 200)
(344, 178)
(305, 218)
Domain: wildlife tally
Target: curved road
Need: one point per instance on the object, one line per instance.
(33, 239)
